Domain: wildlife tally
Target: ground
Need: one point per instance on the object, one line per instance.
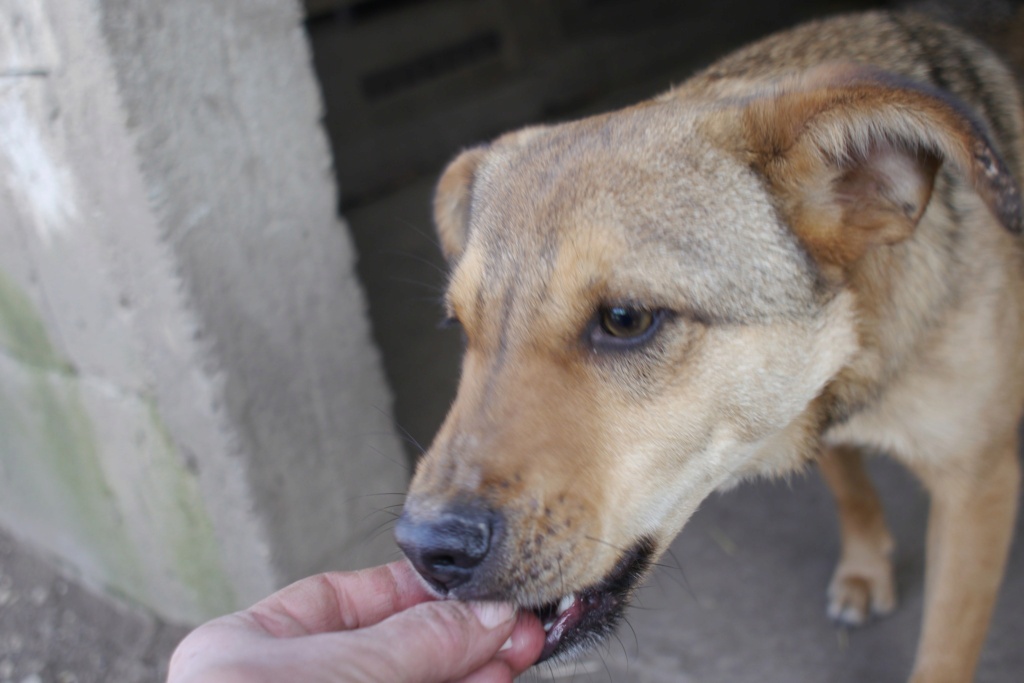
(55, 630)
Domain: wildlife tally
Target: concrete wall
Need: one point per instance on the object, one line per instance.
(191, 410)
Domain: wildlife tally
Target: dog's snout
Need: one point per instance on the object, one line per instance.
(448, 549)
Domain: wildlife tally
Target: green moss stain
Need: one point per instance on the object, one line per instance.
(22, 334)
(68, 442)
(52, 475)
(57, 471)
(188, 533)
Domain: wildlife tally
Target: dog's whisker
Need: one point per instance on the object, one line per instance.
(439, 290)
(641, 608)
(405, 466)
(402, 436)
(376, 495)
(381, 525)
(380, 529)
(415, 257)
(402, 429)
(427, 235)
(378, 534)
(678, 579)
(561, 578)
(437, 302)
(379, 511)
(636, 640)
(679, 565)
(622, 646)
(607, 669)
(383, 511)
(607, 543)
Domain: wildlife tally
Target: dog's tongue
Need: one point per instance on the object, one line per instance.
(568, 616)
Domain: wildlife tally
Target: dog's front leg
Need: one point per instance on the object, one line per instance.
(863, 580)
(970, 525)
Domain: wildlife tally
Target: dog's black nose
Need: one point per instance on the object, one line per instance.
(447, 549)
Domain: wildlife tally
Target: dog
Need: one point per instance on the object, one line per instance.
(809, 250)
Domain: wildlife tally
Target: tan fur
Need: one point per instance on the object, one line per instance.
(829, 216)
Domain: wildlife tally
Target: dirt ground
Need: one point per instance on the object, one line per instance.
(54, 630)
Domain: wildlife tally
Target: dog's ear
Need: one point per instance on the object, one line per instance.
(454, 193)
(452, 200)
(851, 155)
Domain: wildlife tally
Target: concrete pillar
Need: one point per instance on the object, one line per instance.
(191, 409)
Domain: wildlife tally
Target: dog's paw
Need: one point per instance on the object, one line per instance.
(863, 585)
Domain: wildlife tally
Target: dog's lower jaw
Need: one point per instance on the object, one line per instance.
(791, 449)
(584, 618)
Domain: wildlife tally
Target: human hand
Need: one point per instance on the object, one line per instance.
(378, 625)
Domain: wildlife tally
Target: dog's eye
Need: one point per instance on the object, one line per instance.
(626, 323)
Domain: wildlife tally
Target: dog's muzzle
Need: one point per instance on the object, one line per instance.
(448, 550)
(457, 553)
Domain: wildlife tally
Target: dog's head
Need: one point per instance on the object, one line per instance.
(653, 302)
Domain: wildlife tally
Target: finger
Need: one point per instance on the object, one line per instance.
(432, 642)
(527, 641)
(339, 601)
(492, 672)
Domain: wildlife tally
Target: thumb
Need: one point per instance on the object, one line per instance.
(438, 641)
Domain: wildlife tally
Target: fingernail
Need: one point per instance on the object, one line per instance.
(492, 614)
(507, 645)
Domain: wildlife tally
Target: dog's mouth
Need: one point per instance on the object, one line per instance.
(587, 616)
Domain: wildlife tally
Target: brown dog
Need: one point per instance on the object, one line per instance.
(809, 249)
